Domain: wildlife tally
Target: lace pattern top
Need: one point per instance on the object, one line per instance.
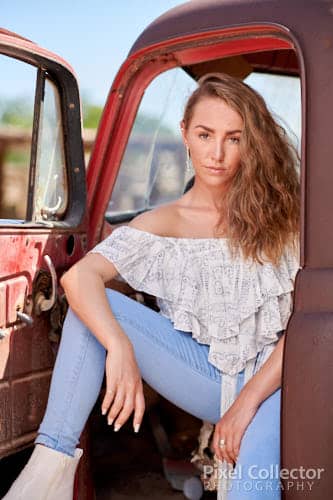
(236, 306)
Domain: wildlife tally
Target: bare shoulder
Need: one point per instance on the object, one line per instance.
(161, 220)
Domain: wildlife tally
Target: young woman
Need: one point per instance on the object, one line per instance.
(221, 261)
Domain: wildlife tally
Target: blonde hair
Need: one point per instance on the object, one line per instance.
(261, 209)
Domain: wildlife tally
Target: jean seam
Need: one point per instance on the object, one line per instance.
(162, 345)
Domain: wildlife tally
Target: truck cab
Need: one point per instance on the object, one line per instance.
(54, 207)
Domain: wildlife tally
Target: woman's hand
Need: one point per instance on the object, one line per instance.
(231, 428)
(124, 390)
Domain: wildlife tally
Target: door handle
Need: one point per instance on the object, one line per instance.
(42, 303)
(25, 318)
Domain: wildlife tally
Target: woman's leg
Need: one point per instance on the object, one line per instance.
(170, 361)
(256, 474)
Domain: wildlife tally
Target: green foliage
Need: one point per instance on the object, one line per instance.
(144, 124)
(19, 112)
(16, 112)
(18, 157)
(91, 114)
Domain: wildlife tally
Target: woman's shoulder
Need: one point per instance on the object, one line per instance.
(161, 220)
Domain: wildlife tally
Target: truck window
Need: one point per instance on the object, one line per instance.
(51, 179)
(33, 178)
(17, 95)
(282, 94)
(153, 166)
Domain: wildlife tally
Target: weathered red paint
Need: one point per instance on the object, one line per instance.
(26, 355)
(12, 40)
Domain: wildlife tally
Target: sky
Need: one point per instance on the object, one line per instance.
(94, 36)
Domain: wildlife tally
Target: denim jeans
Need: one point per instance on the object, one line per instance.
(172, 363)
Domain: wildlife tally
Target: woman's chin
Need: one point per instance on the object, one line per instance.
(213, 180)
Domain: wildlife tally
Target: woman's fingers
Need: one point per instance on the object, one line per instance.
(126, 410)
(123, 404)
(124, 389)
(139, 409)
(216, 445)
(117, 405)
(108, 397)
(133, 400)
(227, 453)
(224, 452)
(236, 445)
(231, 448)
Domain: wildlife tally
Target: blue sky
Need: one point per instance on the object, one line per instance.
(94, 36)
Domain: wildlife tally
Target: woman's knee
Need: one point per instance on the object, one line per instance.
(72, 321)
(118, 301)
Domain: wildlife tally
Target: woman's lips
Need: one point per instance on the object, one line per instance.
(217, 171)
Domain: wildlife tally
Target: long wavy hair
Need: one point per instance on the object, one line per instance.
(261, 208)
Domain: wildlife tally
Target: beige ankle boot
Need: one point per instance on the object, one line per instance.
(48, 475)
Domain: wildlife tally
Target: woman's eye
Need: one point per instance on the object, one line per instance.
(235, 140)
(203, 135)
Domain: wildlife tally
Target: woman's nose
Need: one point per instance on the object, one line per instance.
(218, 151)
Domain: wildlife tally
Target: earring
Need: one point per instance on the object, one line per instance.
(188, 160)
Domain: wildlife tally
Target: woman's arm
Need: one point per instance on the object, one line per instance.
(85, 291)
(84, 284)
(266, 380)
(236, 419)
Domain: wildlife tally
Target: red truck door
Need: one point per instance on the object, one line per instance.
(42, 225)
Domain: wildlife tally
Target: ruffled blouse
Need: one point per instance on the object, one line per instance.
(236, 306)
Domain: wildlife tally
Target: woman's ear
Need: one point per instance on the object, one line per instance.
(183, 132)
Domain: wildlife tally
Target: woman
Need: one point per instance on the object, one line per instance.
(221, 261)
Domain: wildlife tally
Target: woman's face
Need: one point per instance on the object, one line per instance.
(213, 136)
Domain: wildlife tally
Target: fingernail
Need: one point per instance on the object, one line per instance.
(116, 427)
(103, 411)
(136, 427)
(110, 421)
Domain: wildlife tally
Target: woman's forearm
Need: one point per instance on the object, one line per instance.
(85, 293)
(266, 380)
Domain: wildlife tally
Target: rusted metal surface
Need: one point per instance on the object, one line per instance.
(3, 31)
(26, 353)
(307, 382)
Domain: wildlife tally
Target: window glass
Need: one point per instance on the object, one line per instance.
(51, 190)
(282, 95)
(17, 94)
(153, 167)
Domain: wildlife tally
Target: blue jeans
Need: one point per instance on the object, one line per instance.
(172, 363)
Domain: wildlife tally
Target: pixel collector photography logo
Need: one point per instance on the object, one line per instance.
(269, 478)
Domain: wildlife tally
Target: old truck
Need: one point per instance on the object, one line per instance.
(53, 208)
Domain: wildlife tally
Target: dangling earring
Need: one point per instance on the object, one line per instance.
(188, 160)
